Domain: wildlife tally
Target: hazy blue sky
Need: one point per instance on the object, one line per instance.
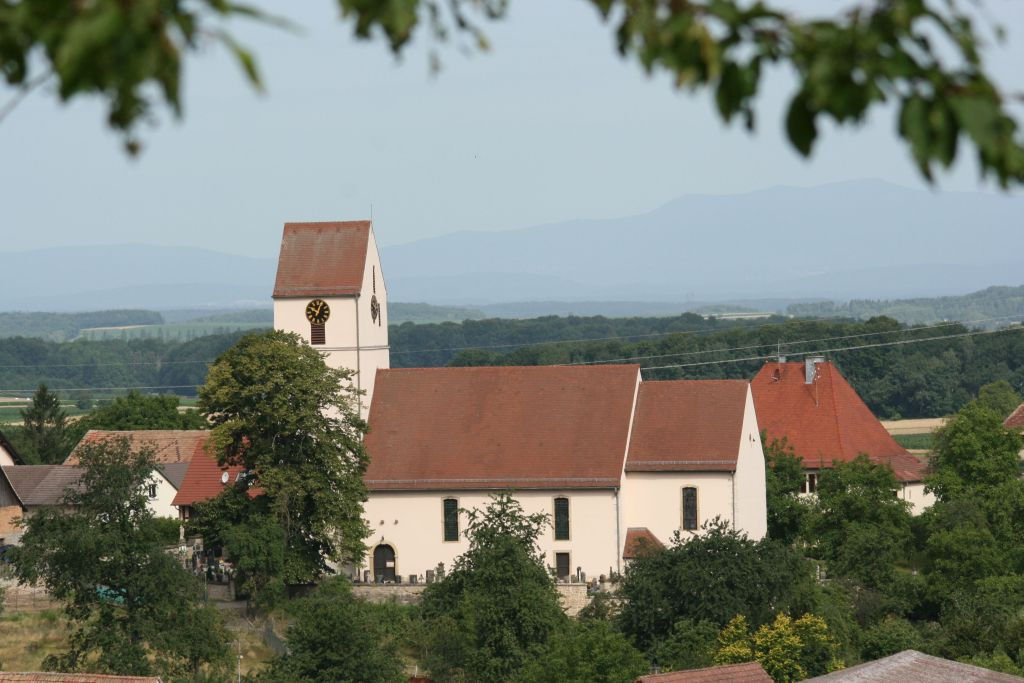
(551, 125)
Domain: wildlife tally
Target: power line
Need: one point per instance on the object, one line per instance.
(900, 342)
(786, 343)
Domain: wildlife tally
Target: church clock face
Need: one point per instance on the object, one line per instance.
(317, 311)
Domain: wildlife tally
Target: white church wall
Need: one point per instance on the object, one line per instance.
(412, 523)
(655, 500)
(916, 496)
(751, 503)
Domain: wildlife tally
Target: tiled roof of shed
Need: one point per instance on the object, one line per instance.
(826, 420)
(687, 425)
(322, 259)
(42, 484)
(1016, 419)
(911, 666)
(169, 445)
(640, 541)
(551, 427)
(748, 672)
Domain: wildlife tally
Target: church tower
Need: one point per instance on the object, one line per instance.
(329, 290)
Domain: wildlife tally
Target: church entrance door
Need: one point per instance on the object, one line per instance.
(383, 564)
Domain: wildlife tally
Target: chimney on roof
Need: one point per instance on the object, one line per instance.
(810, 369)
(782, 359)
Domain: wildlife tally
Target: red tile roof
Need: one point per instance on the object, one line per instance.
(169, 445)
(322, 259)
(687, 425)
(1016, 419)
(500, 427)
(204, 480)
(826, 420)
(749, 672)
(640, 541)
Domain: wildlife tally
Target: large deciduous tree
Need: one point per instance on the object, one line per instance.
(498, 605)
(713, 577)
(291, 421)
(783, 475)
(924, 56)
(860, 526)
(133, 609)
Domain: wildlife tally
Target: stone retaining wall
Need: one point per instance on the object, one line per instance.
(573, 596)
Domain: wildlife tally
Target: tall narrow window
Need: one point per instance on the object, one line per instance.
(451, 519)
(561, 519)
(562, 565)
(810, 484)
(689, 509)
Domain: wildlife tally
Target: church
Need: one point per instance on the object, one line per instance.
(614, 461)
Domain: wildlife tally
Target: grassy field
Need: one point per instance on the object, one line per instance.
(915, 441)
(26, 638)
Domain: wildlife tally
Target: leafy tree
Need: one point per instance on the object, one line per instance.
(690, 645)
(860, 526)
(498, 605)
(140, 411)
(336, 637)
(44, 435)
(997, 661)
(713, 576)
(985, 617)
(889, 636)
(1000, 397)
(885, 51)
(788, 649)
(289, 420)
(784, 473)
(133, 609)
(585, 652)
(973, 452)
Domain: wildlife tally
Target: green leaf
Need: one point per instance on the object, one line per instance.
(800, 124)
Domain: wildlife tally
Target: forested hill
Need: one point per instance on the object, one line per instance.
(65, 326)
(993, 302)
(917, 379)
(432, 345)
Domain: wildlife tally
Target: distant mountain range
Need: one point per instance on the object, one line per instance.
(856, 240)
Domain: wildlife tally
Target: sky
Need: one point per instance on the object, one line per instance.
(550, 125)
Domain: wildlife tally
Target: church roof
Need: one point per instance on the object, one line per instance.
(826, 420)
(687, 425)
(322, 259)
(169, 445)
(500, 427)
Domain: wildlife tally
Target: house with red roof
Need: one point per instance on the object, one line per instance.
(1015, 421)
(812, 405)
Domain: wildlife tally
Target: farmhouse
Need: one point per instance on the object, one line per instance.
(812, 405)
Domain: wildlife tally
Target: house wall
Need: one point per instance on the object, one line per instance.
(411, 522)
(655, 500)
(751, 500)
(918, 499)
(6, 458)
(165, 492)
(10, 532)
(354, 340)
